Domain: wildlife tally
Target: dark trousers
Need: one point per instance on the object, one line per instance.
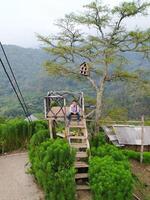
(70, 116)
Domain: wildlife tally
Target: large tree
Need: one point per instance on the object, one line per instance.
(99, 36)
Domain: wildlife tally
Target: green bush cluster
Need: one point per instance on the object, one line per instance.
(15, 134)
(52, 164)
(109, 174)
(98, 140)
(110, 150)
(136, 155)
(147, 123)
(109, 180)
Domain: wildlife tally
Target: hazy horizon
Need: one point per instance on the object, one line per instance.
(21, 20)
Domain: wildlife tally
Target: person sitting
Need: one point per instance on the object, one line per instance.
(74, 110)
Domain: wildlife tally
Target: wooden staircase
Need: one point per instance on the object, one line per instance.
(79, 141)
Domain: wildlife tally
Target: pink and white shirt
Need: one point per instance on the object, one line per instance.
(74, 108)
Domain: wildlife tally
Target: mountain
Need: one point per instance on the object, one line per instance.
(32, 78)
(34, 81)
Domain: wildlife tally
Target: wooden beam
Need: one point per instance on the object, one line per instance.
(136, 197)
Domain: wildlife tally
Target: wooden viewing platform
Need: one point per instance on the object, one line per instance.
(75, 132)
(59, 113)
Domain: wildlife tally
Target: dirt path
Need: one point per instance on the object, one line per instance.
(15, 184)
(84, 195)
(142, 172)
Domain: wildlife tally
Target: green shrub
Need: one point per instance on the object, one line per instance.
(110, 150)
(98, 140)
(108, 169)
(39, 137)
(109, 179)
(136, 155)
(16, 133)
(147, 123)
(39, 125)
(146, 157)
(132, 154)
(52, 164)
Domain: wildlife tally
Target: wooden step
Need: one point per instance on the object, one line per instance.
(80, 164)
(79, 140)
(83, 187)
(78, 145)
(81, 175)
(77, 137)
(60, 135)
(77, 126)
(81, 154)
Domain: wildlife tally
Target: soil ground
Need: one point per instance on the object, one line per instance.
(15, 183)
(142, 178)
(84, 195)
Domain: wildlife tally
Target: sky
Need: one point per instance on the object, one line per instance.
(20, 20)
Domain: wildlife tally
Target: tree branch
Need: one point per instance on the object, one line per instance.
(92, 83)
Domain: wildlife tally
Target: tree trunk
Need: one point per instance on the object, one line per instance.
(99, 105)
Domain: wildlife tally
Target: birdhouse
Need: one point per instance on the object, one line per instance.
(84, 69)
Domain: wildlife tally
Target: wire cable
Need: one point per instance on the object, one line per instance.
(23, 100)
(26, 114)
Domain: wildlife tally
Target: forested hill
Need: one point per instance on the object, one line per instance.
(32, 78)
(35, 82)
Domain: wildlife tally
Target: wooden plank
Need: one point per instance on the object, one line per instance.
(75, 125)
(60, 135)
(80, 164)
(79, 145)
(81, 155)
(55, 110)
(60, 113)
(77, 137)
(81, 175)
(136, 197)
(83, 187)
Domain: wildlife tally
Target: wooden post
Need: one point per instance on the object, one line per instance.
(50, 128)
(65, 111)
(65, 119)
(82, 102)
(54, 129)
(45, 110)
(142, 138)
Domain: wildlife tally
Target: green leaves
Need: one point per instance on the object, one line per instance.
(52, 164)
(100, 37)
(109, 174)
(136, 155)
(15, 134)
(101, 46)
(95, 14)
(58, 69)
(127, 9)
(110, 150)
(109, 179)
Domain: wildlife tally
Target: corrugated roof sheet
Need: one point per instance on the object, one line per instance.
(131, 135)
(112, 136)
